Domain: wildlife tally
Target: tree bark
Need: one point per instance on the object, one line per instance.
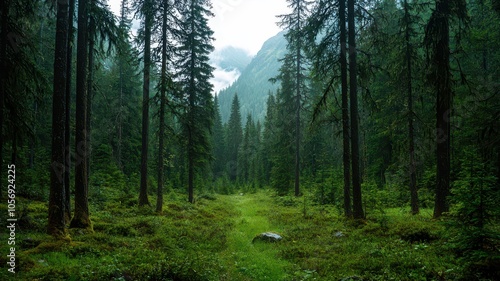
(3, 77)
(411, 130)
(67, 139)
(297, 104)
(56, 221)
(90, 89)
(358, 212)
(81, 217)
(143, 193)
(159, 201)
(443, 105)
(346, 158)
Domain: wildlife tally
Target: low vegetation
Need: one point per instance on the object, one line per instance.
(212, 240)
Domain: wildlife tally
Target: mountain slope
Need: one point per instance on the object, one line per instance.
(231, 58)
(253, 85)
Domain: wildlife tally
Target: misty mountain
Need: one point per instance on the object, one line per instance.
(228, 62)
(253, 84)
(231, 58)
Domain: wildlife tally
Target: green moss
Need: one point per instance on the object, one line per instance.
(211, 240)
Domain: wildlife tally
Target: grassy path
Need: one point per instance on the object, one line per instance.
(250, 261)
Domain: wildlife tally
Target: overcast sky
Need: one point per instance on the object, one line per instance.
(240, 23)
(246, 24)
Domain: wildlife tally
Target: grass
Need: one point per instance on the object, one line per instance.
(253, 261)
(212, 240)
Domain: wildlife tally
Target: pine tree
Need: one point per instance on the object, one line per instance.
(294, 22)
(168, 28)
(246, 151)
(283, 148)
(234, 138)
(147, 13)
(437, 40)
(195, 44)
(409, 55)
(346, 157)
(67, 127)
(327, 25)
(81, 216)
(357, 202)
(218, 143)
(268, 136)
(56, 221)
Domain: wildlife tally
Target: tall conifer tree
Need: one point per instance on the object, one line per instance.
(195, 44)
(56, 221)
(295, 22)
(234, 138)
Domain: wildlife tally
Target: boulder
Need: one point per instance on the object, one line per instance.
(339, 234)
(267, 237)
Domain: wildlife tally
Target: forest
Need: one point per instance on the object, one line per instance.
(378, 157)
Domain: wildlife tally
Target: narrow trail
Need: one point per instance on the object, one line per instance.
(253, 261)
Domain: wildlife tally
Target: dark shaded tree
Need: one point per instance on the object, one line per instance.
(57, 220)
(147, 12)
(81, 217)
(437, 41)
(357, 201)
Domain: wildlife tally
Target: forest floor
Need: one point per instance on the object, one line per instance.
(212, 240)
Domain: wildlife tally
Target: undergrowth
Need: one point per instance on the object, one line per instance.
(212, 240)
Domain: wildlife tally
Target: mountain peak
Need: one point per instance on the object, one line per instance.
(253, 85)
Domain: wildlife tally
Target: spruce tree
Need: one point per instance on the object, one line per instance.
(437, 40)
(168, 29)
(194, 73)
(147, 11)
(295, 22)
(234, 137)
(283, 142)
(218, 143)
(81, 216)
(346, 157)
(357, 202)
(56, 221)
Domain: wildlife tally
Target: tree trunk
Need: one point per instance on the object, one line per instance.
(81, 217)
(346, 158)
(13, 158)
(143, 193)
(358, 212)
(191, 152)
(3, 77)
(90, 89)
(56, 221)
(443, 105)
(159, 202)
(298, 98)
(67, 139)
(411, 131)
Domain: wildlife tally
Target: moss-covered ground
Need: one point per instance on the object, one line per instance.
(212, 240)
